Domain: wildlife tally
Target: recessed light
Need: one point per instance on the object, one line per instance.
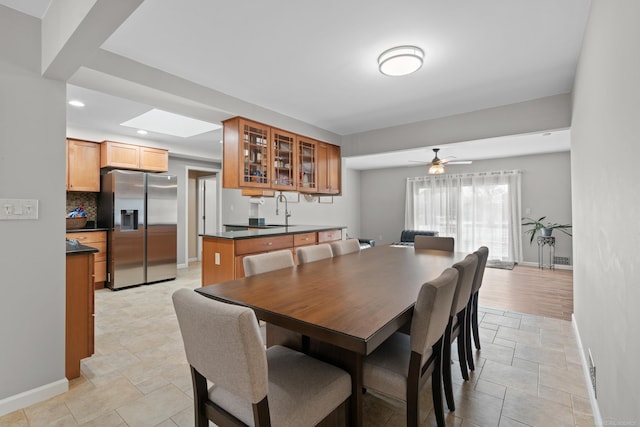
(76, 103)
(220, 141)
(142, 132)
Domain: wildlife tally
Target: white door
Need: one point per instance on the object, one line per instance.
(207, 208)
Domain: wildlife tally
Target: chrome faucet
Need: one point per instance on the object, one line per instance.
(287, 214)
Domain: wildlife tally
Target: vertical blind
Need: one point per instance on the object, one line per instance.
(479, 209)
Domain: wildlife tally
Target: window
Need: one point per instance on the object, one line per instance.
(481, 209)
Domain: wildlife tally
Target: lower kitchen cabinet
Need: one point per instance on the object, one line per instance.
(222, 258)
(98, 240)
(79, 341)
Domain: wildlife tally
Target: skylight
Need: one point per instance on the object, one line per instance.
(159, 121)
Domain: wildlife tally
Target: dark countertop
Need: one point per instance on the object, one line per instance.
(78, 248)
(271, 231)
(77, 230)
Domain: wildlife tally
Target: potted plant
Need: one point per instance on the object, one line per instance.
(545, 227)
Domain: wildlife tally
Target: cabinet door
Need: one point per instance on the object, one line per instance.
(83, 166)
(284, 160)
(119, 155)
(255, 155)
(307, 164)
(154, 159)
(329, 165)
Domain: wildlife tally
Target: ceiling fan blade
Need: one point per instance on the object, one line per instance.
(460, 162)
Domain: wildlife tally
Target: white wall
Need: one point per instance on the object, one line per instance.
(546, 190)
(32, 259)
(345, 210)
(606, 204)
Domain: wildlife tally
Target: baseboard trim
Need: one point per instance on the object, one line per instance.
(597, 418)
(29, 397)
(182, 266)
(535, 264)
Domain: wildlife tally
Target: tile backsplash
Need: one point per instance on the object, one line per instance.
(88, 200)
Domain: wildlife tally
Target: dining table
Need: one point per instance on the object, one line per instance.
(339, 309)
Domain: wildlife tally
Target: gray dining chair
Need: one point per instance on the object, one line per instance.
(262, 263)
(483, 255)
(343, 247)
(252, 385)
(434, 242)
(400, 366)
(457, 327)
(312, 253)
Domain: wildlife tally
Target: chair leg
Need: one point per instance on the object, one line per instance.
(446, 368)
(200, 395)
(462, 352)
(474, 321)
(467, 336)
(436, 388)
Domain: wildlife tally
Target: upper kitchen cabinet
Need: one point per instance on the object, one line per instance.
(83, 165)
(153, 159)
(284, 160)
(118, 155)
(307, 165)
(261, 159)
(246, 154)
(329, 169)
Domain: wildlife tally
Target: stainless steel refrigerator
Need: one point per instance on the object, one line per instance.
(140, 211)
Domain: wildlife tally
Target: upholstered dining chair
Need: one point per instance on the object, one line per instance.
(457, 327)
(472, 309)
(343, 247)
(312, 253)
(262, 263)
(400, 366)
(434, 242)
(252, 385)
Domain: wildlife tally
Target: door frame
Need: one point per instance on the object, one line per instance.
(212, 171)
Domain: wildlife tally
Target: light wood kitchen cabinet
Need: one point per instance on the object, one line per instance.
(79, 318)
(307, 165)
(83, 165)
(257, 157)
(329, 169)
(284, 160)
(98, 240)
(119, 155)
(246, 154)
(153, 159)
(222, 258)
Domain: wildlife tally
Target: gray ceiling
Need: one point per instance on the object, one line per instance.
(316, 61)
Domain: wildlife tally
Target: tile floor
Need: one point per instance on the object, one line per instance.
(527, 374)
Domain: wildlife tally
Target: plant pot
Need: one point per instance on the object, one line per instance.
(546, 232)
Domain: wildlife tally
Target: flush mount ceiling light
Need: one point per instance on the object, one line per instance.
(400, 60)
(76, 103)
(142, 132)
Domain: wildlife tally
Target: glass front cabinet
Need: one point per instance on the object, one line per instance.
(258, 156)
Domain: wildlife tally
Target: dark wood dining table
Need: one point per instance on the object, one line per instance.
(339, 309)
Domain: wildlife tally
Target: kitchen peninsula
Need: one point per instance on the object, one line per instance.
(223, 253)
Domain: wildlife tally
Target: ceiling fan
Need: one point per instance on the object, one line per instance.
(436, 166)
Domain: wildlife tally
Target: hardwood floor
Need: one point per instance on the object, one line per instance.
(529, 290)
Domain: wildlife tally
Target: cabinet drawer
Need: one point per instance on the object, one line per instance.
(88, 236)
(263, 244)
(304, 239)
(329, 236)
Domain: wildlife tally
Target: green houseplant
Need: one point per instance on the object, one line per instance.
(545, 227)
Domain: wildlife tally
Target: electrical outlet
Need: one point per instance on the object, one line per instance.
(592, 374)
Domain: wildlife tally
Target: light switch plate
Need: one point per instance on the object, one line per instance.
(11, 209)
